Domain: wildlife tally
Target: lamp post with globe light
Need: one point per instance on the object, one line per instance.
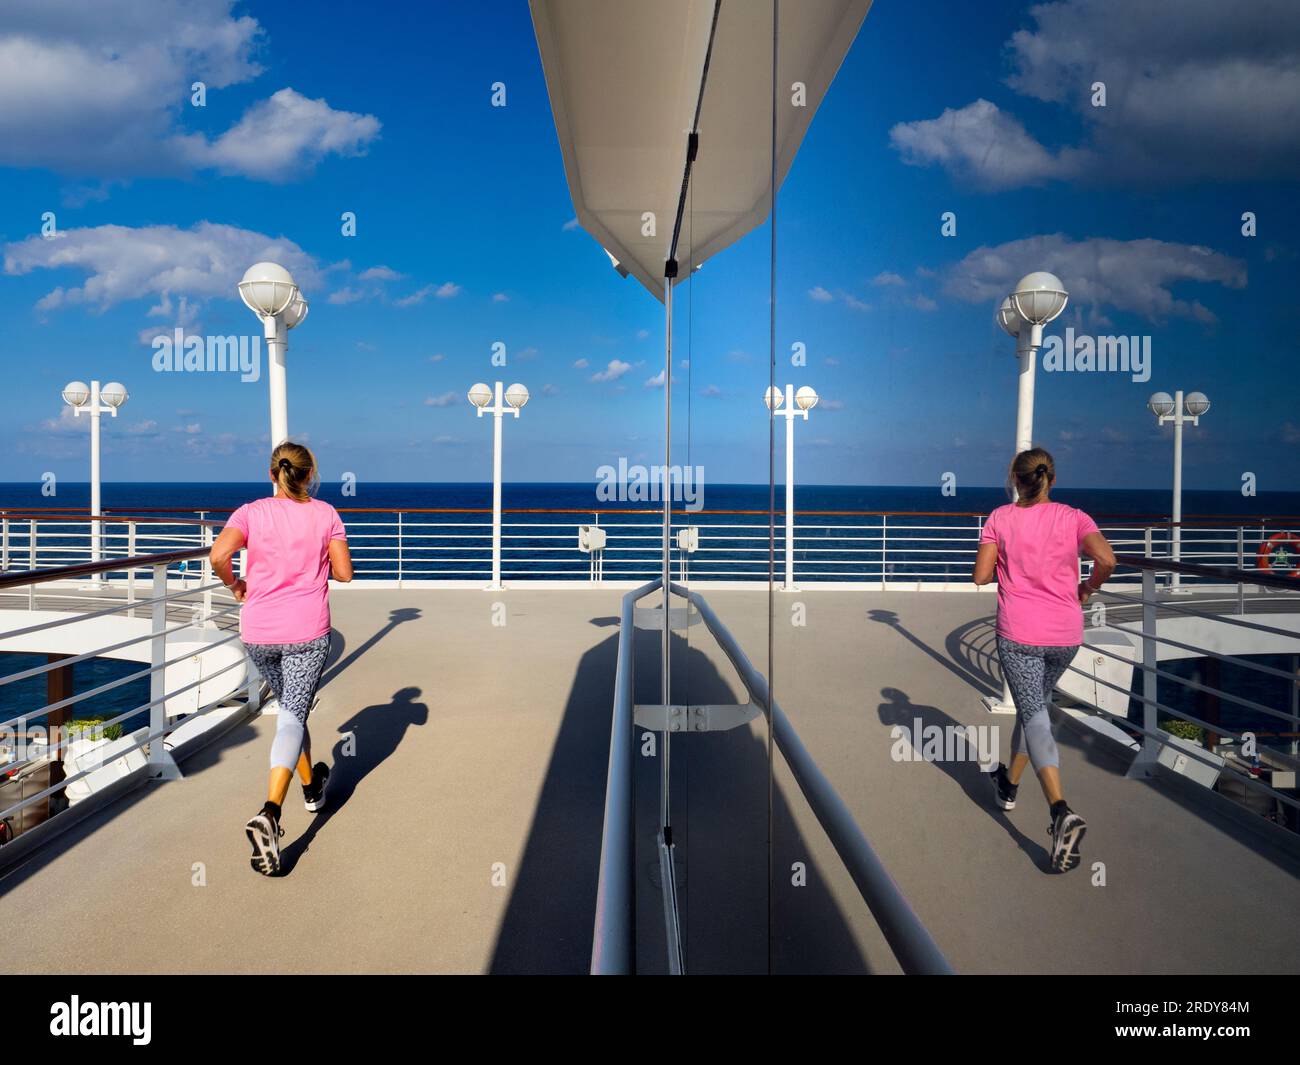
(514, 399)
(1038, 299)
(1179, 410)
(270, 292)
(93, 400)
(790, 406)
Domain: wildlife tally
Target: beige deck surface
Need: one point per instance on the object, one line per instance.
(481, 750)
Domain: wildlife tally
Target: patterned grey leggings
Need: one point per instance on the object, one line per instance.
(1032, 673)
(292, 670)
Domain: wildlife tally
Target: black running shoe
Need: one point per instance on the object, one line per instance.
(313, 794)
(264, 832)
(1066, 830)
(1004, 792)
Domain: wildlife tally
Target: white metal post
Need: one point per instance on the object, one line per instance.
(498, 410)
(206, 579)
(789, 410)
(884, 550)
(31, 563)
(94, 474)
(789, 488)
(1177, 551)
(277, 345)
(161, 765)
(1143, 765)
(1025, 401)
(130, 573)
(1024, 441)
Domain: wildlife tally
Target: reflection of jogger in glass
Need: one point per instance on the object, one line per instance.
(1033, 547)
(295, 544)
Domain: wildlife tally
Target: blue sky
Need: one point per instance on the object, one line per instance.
(464, 238)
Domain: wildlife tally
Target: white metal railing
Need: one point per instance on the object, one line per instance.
(870, 548)
(36, 735)
(1240, 744)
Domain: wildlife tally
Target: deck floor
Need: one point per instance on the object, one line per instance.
(463, 830)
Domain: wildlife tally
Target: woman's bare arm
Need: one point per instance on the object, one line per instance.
(340, 561)
(223, 550)
(986, 562)
(1096, 547)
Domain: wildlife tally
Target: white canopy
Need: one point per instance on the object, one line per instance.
(624, 79)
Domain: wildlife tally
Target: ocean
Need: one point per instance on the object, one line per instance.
(222, 497)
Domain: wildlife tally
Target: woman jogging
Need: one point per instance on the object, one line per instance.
(295, 544)
(1034, 545)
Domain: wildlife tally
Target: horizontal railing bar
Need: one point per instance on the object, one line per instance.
(909, 939)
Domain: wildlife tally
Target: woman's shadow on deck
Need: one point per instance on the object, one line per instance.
(899, 711)
(366, 740)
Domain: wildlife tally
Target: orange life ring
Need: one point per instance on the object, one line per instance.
(1280, 555)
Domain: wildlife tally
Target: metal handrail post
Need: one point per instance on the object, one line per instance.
(884, 548)
(160, 763)
(31, 563)
(1150, 679)
(130, 573)
(206, 615)
(613, 944)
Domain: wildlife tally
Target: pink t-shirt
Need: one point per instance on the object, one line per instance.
(1038, 572)
(288, 568)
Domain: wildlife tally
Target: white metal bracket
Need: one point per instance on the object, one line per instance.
(711, 717)
(652, 618)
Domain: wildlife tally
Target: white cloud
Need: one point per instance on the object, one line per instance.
(1136, 275)
(184, 315)
(122, 263)
(447, 399)
(570, 225)
(281, 139)
(500, 297)
(442, 292)
(346, 295)
(820, 294)
(642, 334)
(380, 273)
(984, 146)
(616, 369)
(887, 277)
(657, 381)
(1195, 89)
(102, 90)
(580, 364)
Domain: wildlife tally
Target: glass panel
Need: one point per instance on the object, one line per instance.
(721, 757)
